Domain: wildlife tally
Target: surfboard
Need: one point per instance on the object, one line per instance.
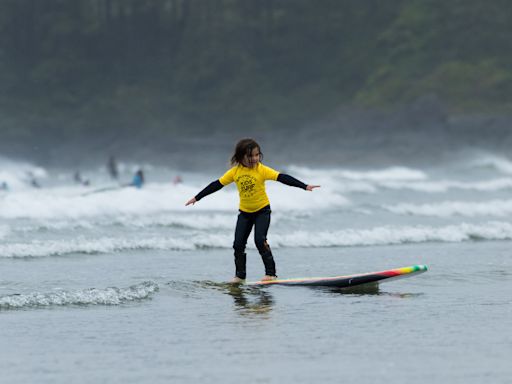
(348, 280)
(99, 190)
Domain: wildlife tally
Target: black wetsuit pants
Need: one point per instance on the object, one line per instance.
(261, 221)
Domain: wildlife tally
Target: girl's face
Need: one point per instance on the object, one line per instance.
(251, 160)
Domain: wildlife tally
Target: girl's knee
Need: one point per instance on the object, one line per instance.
(262, 245)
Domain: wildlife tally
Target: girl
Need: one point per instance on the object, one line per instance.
(250, 175)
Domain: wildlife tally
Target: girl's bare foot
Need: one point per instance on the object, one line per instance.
(268, 278)
(237, 280)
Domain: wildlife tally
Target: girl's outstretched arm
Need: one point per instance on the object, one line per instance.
(293, 182)
(214, 186)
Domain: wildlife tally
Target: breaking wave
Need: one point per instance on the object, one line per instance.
(69, 203)
(497, 208)
(91, 296)
(388, 235)
(383, 235)
(499, 163)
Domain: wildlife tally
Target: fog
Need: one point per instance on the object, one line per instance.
(176, 83)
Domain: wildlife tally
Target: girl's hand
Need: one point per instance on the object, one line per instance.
(311, 187)
(191, 201)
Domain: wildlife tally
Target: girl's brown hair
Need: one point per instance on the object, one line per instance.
(242, 148)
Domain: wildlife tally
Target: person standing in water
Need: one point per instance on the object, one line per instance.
(112, 168)
(250, 175)
(80, 180)
(138, 179)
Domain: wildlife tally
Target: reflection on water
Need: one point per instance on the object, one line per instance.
(363, 289)
(257, 301)
(251, 301)
(248, 300)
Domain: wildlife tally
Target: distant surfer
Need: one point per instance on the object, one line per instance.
(112, 168)
(80, 180)
(250, 175)
(138, 179)
(137, 182)
(32, 180)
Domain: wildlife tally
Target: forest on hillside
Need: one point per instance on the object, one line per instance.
(86, 66)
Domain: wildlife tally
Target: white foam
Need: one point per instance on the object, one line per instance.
(496, 162)
(445, 185)
(155, 198)
(386, 174)
(17, 173)
(92, 296)
(388, 235)
(43, 248)
(397, 178)
(383, 235)
(497, 208)
(194, 220)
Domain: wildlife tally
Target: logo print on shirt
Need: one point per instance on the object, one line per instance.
(247, 184)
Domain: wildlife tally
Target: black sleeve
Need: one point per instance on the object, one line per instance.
(214, 186)
(291, 181)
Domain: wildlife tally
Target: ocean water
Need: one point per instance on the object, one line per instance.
(120, 285)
